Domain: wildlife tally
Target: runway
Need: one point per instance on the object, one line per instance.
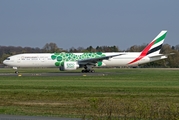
(55, 74)
(77, 73)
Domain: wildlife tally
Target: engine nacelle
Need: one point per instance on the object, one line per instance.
(69, 66)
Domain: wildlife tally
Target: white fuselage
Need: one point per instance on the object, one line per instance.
(72, 61)
(45, 60)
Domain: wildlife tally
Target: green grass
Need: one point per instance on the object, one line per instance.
(119, 94)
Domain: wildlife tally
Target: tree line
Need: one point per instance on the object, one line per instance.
(172, 61)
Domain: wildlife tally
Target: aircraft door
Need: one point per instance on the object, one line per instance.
(18, 59)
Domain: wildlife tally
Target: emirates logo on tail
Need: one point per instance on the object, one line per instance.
(153, 48)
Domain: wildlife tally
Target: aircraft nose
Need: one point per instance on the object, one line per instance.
(4, 62)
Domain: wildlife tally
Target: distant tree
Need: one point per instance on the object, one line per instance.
(51, 47)
(166, 48)
(3, 57)
(98, 49)
(38, 50)
(90, 49)
(177, 47)
(114, 49)
(80, 49)
(72, 49)
(136, 48)
(172, 60)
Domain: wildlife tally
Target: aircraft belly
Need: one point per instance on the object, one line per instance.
(116, 62)
(141, 61)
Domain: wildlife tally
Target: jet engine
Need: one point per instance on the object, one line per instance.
(70, 65)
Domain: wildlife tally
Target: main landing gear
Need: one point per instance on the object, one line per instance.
(88, 69)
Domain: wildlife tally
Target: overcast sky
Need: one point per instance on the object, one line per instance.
(75, 23)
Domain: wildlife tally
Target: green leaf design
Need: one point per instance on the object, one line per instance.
(53, 57)
(62, 57)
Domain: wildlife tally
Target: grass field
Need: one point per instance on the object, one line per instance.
(120, 94)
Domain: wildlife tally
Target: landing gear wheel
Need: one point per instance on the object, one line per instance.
(87, 71)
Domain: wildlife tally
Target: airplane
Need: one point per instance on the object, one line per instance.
(72, 61)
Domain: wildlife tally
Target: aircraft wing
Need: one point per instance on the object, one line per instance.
(92, 61)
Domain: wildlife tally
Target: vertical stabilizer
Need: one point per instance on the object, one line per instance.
(153, 48)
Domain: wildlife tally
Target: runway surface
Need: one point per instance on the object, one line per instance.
(54, 74)
(76, 73)
(14, 117)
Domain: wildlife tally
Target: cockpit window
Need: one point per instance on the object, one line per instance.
(7, 58)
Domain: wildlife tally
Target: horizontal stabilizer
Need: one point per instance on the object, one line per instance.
(160, 55)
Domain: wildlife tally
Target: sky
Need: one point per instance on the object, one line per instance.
(84, 23)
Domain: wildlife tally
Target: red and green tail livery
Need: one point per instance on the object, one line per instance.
(153, 48)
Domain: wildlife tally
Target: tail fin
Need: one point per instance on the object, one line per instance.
(155, 46)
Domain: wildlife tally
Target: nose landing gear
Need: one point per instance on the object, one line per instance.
(16, 71)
